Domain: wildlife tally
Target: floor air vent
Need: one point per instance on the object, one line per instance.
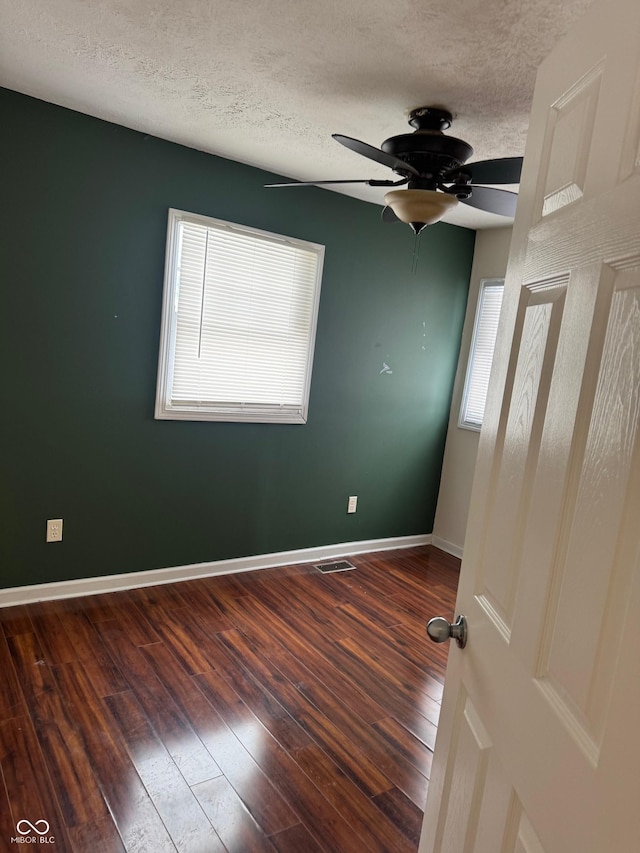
(337, 566)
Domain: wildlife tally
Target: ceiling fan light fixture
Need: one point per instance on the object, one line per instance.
(420, 207)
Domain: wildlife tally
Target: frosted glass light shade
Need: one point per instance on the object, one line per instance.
(420, 206)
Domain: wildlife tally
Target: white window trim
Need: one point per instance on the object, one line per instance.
(256, 413)
(463, 423)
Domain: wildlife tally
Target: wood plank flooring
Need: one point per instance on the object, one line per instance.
(279, 711)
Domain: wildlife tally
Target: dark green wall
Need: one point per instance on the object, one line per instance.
(85, 210)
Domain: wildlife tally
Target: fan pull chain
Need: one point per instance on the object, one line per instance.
(416, 254)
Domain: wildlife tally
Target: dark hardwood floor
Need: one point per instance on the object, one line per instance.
(282, 710)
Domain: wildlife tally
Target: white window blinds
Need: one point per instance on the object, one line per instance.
(239, 320)
(481, 355)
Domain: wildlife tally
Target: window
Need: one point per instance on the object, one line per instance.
(483, 344)
(238, 323)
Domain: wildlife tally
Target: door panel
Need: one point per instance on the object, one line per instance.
(573, 656)
(568, 143)
(516, 451)
(470, 763)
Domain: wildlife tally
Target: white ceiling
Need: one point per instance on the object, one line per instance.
(267, 83)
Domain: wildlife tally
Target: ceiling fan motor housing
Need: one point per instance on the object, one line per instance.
(427, 149)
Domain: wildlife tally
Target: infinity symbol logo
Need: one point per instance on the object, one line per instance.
(32, 827)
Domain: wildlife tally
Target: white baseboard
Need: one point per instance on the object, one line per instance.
(131, 580)
(449, 547)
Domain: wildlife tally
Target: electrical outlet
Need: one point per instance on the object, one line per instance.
(54, 530)
(352, 504)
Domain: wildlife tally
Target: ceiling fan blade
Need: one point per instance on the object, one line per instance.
(372, 183)
(502, 202)
(376, 154)
(388, 215)
(505, 170)
(315, 183)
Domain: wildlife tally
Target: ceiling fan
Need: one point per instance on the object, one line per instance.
(432, 166)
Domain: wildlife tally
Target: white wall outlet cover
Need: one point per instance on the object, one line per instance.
(54, 530)
(352, 503)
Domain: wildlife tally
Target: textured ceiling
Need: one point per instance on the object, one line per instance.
(266, 83)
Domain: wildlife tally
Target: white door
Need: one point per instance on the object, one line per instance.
(538, 749)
